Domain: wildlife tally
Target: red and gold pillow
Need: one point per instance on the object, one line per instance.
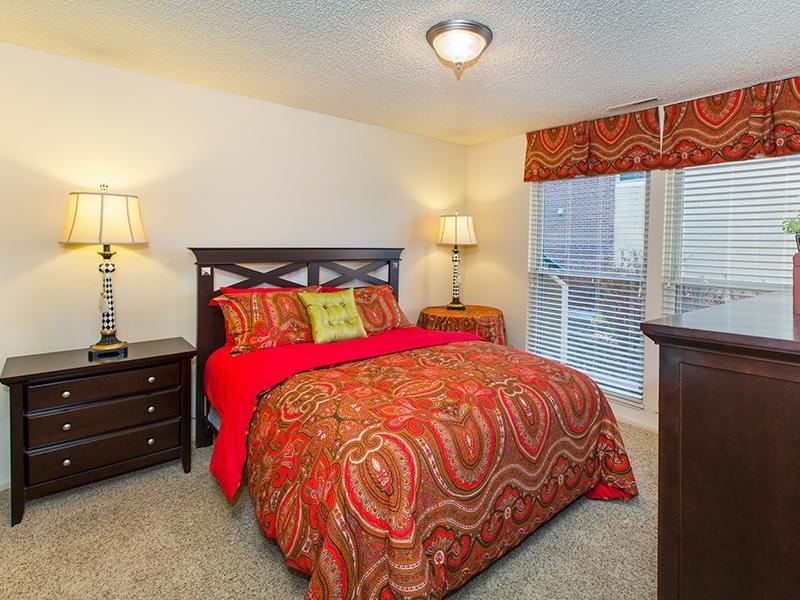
(258, 320)
(379, 309)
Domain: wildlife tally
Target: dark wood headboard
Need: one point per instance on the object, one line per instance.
(308, 261)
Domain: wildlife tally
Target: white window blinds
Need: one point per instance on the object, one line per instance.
(586, 273)
(723, 238)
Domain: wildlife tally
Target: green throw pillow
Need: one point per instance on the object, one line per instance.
(334, 316)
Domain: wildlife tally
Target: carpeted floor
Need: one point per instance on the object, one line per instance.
(161, 534)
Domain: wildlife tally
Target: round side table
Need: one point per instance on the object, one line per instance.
(484, 321)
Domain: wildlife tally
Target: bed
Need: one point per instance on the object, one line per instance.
(401, 464)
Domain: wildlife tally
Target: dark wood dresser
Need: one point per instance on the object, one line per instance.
(74, 421)
(729, 451)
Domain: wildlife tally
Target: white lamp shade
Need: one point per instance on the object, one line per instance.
(457, 230)
(103, 218)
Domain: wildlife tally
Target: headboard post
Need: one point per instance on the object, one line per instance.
(210, 326)
(394, 276)
(204, 435)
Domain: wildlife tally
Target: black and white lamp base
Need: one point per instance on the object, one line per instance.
(108, 347)
(455, 303)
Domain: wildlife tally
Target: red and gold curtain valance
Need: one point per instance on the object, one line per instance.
(623, 143)
(558, 153)
(762, 120)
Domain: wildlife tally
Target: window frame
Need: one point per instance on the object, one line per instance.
(646, 412)
(536, 241)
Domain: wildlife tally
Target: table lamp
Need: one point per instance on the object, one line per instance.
(104, 218)
(456, 230)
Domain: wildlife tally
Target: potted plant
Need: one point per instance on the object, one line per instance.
(792, 226)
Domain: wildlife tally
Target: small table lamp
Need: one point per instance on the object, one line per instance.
(456, 230)
(104, 218)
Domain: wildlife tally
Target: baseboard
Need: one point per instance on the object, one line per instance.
(635, 416)
(5, 484)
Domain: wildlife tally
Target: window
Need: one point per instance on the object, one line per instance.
(587, 262)
(723, 239)
(586, 277)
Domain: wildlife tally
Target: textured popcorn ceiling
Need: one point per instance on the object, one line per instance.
(551, 62)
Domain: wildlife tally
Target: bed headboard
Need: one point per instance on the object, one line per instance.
(345, 266)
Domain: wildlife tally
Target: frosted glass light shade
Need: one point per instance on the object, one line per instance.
(459, 46)
(103, 218)
(459, 41)
(457, 230)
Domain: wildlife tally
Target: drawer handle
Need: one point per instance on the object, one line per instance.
(66, 462)
(66, 394)
(151, 441)
(66, 426)
(151, 379)
(151, 409)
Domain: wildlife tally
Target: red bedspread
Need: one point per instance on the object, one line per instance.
(233, 382)
(403, 475)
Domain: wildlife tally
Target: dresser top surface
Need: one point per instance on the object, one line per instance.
(767, 322)
(76, 362)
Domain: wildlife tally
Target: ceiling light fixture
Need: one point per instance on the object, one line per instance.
(459, 41)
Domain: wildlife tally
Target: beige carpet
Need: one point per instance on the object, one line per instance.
(162, 534)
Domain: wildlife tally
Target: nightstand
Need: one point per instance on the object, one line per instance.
(74, 421)
(484, 321)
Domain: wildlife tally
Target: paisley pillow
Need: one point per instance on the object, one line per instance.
(379, 309)
(257, 320)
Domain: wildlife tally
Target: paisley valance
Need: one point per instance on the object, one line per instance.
(761, 120)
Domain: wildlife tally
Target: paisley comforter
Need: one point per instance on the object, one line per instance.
(402, 475)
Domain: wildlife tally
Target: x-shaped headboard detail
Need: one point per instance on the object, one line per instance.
(348, 274)
(271, 277)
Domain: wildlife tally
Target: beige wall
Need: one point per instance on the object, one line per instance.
(495, 272)
(211, 169)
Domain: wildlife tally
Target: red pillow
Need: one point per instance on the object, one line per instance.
(256, 320)
(378, 309)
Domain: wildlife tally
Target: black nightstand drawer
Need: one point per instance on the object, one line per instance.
(100, 417)
(68, 459)
(100, 387)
